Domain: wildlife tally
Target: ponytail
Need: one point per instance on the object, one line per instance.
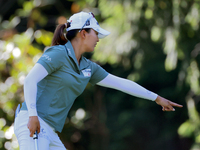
(59, 35)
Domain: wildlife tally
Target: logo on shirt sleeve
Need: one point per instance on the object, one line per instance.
(46, 57)
(86, 72)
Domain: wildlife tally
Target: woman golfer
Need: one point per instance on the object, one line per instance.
(60, 76)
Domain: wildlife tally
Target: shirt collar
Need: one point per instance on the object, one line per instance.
(83, 61)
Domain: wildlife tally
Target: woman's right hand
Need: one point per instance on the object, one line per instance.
(167, 105)
(33, 125)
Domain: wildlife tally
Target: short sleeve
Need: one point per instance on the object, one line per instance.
(52, 58)
(98, 73)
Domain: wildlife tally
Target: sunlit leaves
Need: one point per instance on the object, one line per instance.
(176, 16)
(155, 33)
(36, 16)
(2, 123)
(193, 77)
(27, 8)
(78, 118)
(23, 39)
(121, 32)
(170, 49)
(13, 23)
(18, 55)
(43, 37)
(192, 126)
(134, 77)
(186, 129)
(148, 13)
(193, 16)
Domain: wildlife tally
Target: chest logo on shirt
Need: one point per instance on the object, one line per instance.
(86, 72)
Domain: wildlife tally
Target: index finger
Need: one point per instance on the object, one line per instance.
(31, 133)
(175, 104)
(38, 129)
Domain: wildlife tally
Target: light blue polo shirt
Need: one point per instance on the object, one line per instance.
(65, 81)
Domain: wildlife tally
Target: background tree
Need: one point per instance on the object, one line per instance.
(154, 43)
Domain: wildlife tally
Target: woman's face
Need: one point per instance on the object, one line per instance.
(91, 40)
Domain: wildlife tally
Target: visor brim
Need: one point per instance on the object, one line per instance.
(101, 32)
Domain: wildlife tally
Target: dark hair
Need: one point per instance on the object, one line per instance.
(61, 36)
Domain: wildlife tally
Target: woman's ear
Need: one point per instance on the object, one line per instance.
(83, 34)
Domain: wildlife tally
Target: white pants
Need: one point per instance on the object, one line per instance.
(47, 138)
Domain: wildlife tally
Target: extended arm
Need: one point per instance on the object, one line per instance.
(135, 89)
(37, 73)
(127, 86)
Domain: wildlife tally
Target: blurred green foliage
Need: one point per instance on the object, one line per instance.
(155, 43)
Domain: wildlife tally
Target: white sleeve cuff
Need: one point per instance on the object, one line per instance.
(32, 113)
(151, 96)
(32, 110)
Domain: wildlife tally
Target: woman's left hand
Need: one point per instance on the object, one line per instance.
(167, 105)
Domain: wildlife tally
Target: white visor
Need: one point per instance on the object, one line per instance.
(83, 20)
